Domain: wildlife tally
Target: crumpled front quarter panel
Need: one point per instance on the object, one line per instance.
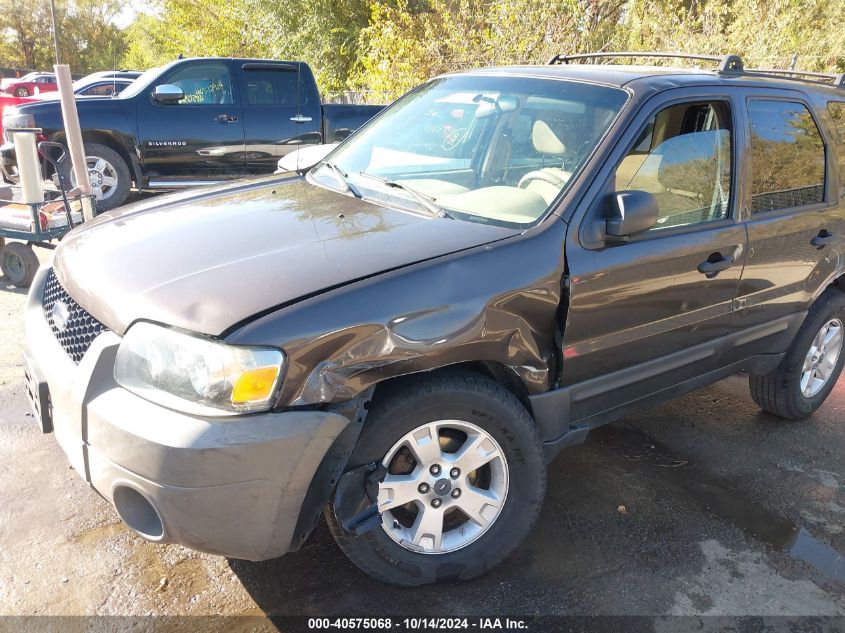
(492, 303)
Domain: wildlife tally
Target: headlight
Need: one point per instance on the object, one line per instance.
(196, 374)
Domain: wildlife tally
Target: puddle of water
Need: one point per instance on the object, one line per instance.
(823, 557)
(719, 499)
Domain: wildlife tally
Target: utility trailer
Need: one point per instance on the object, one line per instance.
(37, 224)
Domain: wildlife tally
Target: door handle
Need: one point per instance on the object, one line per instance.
(821, 240)
(226, 118)
(715, 264)
(300, 118)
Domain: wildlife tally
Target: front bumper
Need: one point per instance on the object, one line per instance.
(231, 486)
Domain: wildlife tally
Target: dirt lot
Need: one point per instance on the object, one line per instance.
(701, 506)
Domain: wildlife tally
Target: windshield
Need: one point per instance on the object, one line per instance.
(139, 84)
(484, 148)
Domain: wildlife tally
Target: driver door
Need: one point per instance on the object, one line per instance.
(652, 311)
(201, 136)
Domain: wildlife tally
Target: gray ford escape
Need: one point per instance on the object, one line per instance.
(498, 263)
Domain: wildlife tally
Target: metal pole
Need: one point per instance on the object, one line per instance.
(73, 132)
(55, 30)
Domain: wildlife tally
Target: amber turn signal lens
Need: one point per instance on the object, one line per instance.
(254, 384)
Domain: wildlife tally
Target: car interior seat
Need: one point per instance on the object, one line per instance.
(548, 181)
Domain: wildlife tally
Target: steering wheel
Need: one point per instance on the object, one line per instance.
(539, 175)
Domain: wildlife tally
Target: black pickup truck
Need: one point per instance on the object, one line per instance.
(193, 122)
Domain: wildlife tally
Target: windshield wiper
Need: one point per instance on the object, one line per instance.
(343, 176)
(424, 200)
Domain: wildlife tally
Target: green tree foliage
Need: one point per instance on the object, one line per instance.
(192, 28)
(408, 41)
(324, 33)
(88, 38)
(386, 47)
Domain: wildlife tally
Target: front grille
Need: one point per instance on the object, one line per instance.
(80, 328)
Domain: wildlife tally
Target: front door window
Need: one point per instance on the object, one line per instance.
(683, 158)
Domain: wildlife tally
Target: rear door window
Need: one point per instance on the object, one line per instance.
(273, 87)
(787, 156)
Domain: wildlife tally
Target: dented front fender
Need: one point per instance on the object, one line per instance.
(494, 303)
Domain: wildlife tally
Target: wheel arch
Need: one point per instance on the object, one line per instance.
(504, 375)
(112, 142)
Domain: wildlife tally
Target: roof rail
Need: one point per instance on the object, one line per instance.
(727, 63)
(802, 75)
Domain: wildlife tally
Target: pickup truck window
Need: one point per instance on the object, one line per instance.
(485, 148)
(203, 84)
(787, 156)
(273, 87)
(683, 158)
(837, 113)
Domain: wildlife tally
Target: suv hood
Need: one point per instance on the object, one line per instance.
(207, 260)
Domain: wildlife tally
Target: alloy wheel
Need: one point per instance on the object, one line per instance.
(446, 485)
(821, 358)
(102, 175)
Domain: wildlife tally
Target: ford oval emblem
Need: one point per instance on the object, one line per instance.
(61, 315)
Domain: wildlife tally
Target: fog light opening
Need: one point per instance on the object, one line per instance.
(138, 513)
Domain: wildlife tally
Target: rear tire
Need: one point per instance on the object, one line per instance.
(109, 173)
(795, 389)
(19, 264)
(499, 426)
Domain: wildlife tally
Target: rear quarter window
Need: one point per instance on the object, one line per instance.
(837, 113)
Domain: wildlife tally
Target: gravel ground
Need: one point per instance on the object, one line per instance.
(700, 506)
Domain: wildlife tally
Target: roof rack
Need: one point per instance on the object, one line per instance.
(727, 63)
(822, 78)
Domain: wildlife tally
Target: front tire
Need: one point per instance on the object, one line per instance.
(812, 364)
(108, 173)
(438, 434)
(21, 92)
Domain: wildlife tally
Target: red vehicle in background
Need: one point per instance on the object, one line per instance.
(30, 84)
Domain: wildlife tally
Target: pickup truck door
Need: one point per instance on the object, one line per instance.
(795, 216)
(282, 111)
(652, 312)
(200, 137)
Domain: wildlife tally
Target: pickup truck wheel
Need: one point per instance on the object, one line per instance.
(811, 367)
(19, 264)
(21, 92)
(466, 476)
(108, 174)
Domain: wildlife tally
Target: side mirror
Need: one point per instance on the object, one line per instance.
(168, 93)
(631, 212)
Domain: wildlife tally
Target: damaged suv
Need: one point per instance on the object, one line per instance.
(403, 337)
